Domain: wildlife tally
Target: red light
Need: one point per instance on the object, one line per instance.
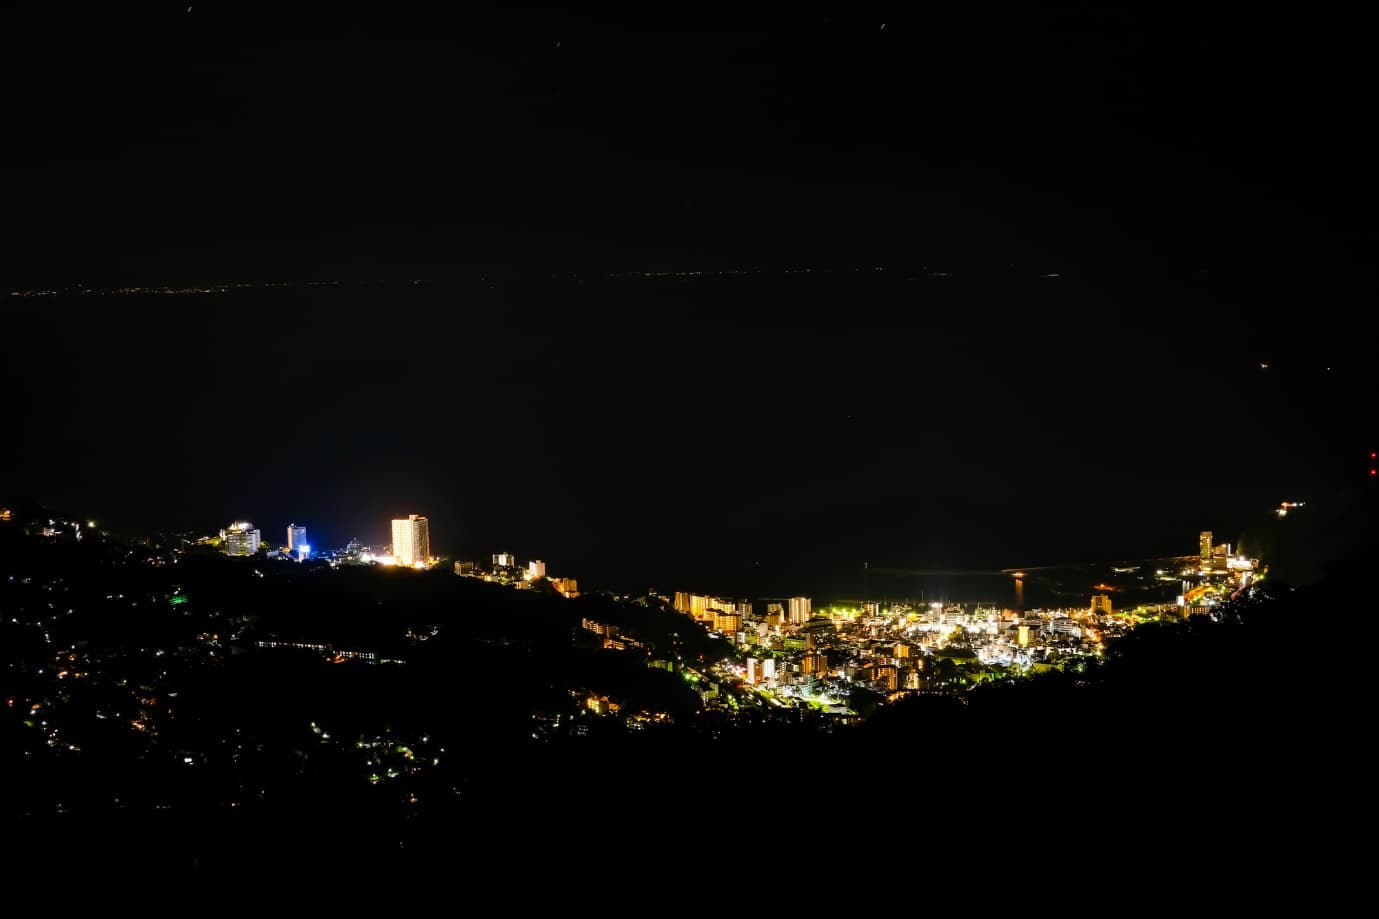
(1373, 455)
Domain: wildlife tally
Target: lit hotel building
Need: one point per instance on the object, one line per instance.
(705, 608)
(296, 541)
(241, 538)
(800, 610)
(411, 541)
(566, 587)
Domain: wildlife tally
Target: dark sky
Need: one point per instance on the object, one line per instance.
(1202, 185)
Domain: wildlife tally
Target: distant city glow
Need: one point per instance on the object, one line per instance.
(785, 655)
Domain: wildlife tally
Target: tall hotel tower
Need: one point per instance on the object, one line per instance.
(296, 541)
(411, 541)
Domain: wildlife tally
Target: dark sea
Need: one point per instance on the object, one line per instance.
(743, 430)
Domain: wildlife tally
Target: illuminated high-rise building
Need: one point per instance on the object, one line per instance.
(241, 538)
(504, 560)
(296, 541)
(1204, 543)
(412, 541)
(536, 570)
(705, 608)
(1101, 603)
(727, 623)
(799, 610)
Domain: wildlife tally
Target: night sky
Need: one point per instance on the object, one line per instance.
(926, 394)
